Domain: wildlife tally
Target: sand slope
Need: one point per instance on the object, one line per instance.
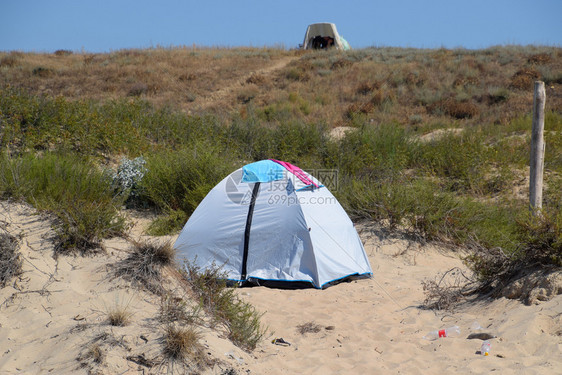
(56, 312)
(378, 326)
(58, 309)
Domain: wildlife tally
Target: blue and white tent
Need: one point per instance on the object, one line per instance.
(270, 223)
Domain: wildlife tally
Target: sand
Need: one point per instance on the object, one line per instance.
(56, 311)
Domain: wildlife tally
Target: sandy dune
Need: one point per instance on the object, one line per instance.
(57, 310)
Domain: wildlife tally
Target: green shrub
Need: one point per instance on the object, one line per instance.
(538, 246)
(83, 224)
(168, 222)
(418, 206)
(380, 152)
(374, 199)
(177, 181)
(241, 319)
(92, 128)
(74, 190)
(541, 238)
(460, 159)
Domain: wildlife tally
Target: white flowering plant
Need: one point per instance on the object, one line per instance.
(127, 178)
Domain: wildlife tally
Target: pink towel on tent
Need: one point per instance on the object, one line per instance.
(296, 171)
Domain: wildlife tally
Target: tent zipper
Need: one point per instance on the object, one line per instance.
(247, 230)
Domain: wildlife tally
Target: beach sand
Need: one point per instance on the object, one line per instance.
(55, 313)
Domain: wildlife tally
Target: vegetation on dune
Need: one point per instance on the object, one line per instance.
(240, 319)
(143, 267)
(10, 260)
(437, 141)
(78, 194)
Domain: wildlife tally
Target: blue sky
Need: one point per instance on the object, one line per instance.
(106, 25)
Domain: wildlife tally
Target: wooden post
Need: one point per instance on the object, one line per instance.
(537, 148)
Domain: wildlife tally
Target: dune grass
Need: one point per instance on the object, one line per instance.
(240, 319)
(10, 260)
(119, 316)
(143, 266)
(183, 345)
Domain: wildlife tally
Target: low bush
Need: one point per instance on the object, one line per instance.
(9, 61)
(169, 221)
(379, 152)
(498, 95)
(92, 128)
(290, 141)
(458, 109)
(418, 206)
(42, 71)
(74, 190)
(138, 89)
(459, 159)
(523, 79)
(177, 181)
(241, 319)
(538, 246)
(540, 58)
(127, 178)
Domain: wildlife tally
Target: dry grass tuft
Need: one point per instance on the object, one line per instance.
(10, 261)
(94, 354)
(175, 309)
(183, 343)
(309, 327)
(447, 290)
(119, 316)
(143, 267)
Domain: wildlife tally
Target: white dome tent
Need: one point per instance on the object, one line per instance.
(270, 223)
